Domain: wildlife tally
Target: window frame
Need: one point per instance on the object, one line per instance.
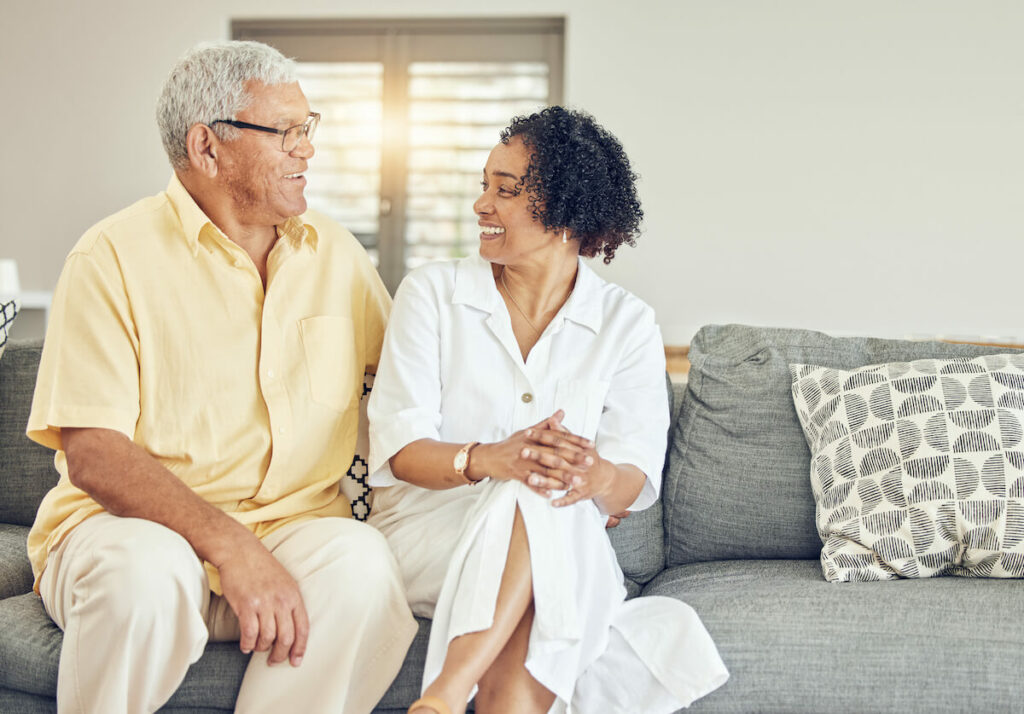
(395, 43)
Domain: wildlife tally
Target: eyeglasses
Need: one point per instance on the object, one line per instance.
(290, 137)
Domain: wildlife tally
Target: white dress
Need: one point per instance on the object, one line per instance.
(451, 370)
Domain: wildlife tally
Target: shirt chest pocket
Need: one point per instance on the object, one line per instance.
(329, 344)
(583, 402)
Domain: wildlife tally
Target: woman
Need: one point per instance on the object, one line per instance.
(520, 399)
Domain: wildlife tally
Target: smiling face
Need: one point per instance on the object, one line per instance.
(509, 232)
(265, 184)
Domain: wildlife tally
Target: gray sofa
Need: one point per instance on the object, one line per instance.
(733, 535)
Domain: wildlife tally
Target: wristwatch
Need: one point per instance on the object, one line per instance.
(461, 462)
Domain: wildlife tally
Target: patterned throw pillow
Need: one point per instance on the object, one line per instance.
(917, 467)
(353, 483)
(8, 311)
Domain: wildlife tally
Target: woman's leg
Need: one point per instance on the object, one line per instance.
(508, 686)
(470, 656)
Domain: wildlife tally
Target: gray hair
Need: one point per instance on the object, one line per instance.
(208, 83)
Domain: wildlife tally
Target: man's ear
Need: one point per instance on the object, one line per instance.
(203, 147)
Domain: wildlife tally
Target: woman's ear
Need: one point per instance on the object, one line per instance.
(203, 147)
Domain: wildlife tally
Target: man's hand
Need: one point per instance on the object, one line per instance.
(129, 482)
(267, 601)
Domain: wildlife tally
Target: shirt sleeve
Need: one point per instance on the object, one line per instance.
(89, 370)
(634, 424)
(405, 404)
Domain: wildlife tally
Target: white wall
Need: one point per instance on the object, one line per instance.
(855, 166)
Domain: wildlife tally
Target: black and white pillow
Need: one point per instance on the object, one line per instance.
(353, 483)
(8, 311)
(917, 467)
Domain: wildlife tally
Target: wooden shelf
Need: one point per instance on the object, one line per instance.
(676, 362)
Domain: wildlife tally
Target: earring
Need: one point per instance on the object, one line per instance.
(565, 238)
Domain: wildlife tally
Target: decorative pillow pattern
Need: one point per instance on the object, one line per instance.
(8, 311)
(353, 483)
(917, 467)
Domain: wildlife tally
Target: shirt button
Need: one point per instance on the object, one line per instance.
(280, 430)
(270, 373)
(527, 397)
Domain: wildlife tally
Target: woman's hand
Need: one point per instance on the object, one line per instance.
(589, 476)
(593, 483)
(544, 456)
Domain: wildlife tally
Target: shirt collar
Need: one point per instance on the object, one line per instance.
(474, 286)
(194, 221)
(585, 303)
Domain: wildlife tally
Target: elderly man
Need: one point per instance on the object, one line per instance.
(200, 382)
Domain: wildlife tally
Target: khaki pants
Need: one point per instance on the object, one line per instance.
(135, 606)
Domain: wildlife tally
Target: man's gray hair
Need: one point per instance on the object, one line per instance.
(208, 83)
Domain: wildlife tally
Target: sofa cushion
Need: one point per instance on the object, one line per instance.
(917, 467)
(15, 569)
(794, 642)
(30, 647)
(639, 544)
(22, 703)
(26, 468)
(738, 478)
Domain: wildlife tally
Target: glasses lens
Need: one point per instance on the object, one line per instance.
(294, 134)
(290, 139)
(311, 124)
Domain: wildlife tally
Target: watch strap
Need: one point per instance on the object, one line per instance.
(461, 461)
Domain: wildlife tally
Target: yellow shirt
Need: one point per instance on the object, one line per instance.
(160, 329)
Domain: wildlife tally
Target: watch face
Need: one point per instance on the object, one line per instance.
(460, 461)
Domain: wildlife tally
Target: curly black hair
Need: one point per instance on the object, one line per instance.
(578, 178)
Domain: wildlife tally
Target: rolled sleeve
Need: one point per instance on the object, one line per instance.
(405, 404)
(634, 425)
(89, 370)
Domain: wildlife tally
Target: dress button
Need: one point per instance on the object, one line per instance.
(280, 430)
(527, 397)
(270, 373)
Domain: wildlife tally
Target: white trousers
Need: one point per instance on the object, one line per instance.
(136, 609)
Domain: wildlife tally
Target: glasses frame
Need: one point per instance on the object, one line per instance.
(308, 129)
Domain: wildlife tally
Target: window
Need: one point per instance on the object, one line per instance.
(411, 109)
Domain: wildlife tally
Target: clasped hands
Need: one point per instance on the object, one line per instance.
(548, 457)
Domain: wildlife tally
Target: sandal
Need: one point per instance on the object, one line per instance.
(434, 703)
